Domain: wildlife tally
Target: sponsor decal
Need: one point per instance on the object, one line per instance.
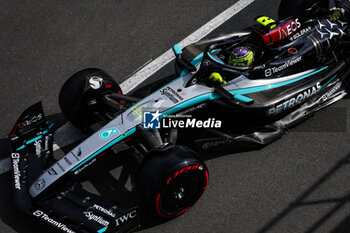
(16, 171)
(321, 24)
(107, 133)
(290, 28)
(292, 51)
(99, 219)
(342, 23)
(46, 218)
(171, 94)
(26, 123)
(332, 34)
(322, 34)
(300, 33)
(332, 24)
(52, 172)
(184, 169)
(103, 210)
(274, 70)
(151, 120)
(216, 143)
(40, 184)
(342, 33)
(47, 138)
(295, 100)
(37, 145)
(137, 112)
(125, 218)
(331, 92)
(85, 166)
(95, 82)
(193, 109)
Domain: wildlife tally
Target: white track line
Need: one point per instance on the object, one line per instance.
(155, 65)
(152, 67)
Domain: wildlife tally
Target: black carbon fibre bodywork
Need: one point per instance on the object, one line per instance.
(306, 70)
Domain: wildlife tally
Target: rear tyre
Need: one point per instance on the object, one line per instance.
(289, 8)
(80, 96)
(172, 180)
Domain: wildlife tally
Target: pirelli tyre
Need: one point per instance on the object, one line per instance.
(289, 8)
(80, 96)
(172, 180)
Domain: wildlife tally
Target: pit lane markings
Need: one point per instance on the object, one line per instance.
(152, 67)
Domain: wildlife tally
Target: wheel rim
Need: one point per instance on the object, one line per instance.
(181, 193)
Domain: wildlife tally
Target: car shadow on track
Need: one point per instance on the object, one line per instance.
(12, 219)
(111, 177)
(304, 201)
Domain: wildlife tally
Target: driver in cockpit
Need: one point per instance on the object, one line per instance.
(240, 56)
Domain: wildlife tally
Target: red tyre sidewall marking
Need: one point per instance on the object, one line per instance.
(158, 209)
(194, 167)
(206, 184)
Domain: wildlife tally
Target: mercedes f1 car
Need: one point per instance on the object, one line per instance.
(301, 65)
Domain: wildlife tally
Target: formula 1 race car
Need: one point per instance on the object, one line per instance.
(300, 65)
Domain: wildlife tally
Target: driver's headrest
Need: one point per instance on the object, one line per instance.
(271, 31)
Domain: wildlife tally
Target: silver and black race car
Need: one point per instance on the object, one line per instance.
(301, 65)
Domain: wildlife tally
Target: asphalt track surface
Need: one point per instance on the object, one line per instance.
(299, 183)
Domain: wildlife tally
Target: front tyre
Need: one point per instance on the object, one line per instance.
(80, 98)
(172, 180)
